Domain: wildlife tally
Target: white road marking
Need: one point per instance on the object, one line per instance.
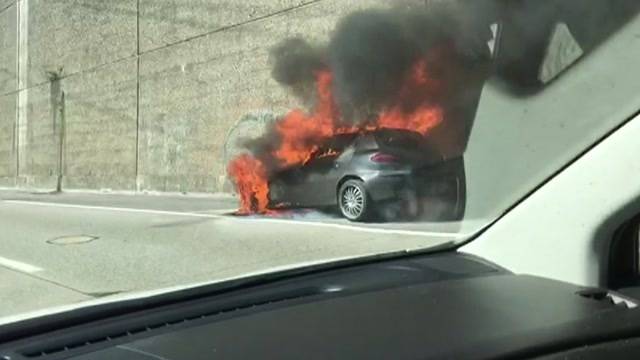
(452, 236)
(216, 211)
(19, 266)
(109, 208)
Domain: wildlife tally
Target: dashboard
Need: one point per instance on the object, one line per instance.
(444, 305)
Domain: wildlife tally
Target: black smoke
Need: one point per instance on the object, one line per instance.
(369, 54)
(295, 63)
(371, 51)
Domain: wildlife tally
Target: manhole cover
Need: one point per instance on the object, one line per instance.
(72, 240)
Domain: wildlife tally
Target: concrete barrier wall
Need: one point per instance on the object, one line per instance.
(141, 94)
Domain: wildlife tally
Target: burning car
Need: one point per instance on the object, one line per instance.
(380, 135)
(383, 173)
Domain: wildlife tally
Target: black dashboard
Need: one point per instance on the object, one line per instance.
(438, 306)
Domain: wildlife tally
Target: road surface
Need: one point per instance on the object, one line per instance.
(58, 249)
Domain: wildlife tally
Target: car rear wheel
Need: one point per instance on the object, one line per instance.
(354, 201)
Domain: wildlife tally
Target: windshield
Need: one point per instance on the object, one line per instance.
(147, 145)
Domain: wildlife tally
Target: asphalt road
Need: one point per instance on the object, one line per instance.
(58, 249)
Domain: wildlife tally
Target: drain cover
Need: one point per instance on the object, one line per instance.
(72, 240)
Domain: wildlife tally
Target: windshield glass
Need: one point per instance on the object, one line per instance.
(156, 144)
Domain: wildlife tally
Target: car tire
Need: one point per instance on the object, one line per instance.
(354, 202)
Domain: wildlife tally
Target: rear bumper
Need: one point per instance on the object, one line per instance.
(383, 187)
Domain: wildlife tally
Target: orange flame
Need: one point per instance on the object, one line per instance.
(250, 177)
(328, 153)
(416, 90)
(420, 121)
(302, 133)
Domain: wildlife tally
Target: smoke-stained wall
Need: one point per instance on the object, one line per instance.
(141, 94)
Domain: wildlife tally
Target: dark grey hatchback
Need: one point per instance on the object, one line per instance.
(382, 174)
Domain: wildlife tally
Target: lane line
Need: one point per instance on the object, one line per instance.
(215, 211)
(19, 266)
(109, 208)
(451, 236)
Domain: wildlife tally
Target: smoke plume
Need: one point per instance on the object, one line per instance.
(369, 55)
(382, 68)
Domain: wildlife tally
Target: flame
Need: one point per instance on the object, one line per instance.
(328, 153)
(250, 177)
(302, 133)
(417, 89)
(420, 121)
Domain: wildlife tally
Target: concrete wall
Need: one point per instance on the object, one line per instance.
(144, 94)
(68, 71)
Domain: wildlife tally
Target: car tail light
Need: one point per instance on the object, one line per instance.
(382, 158)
